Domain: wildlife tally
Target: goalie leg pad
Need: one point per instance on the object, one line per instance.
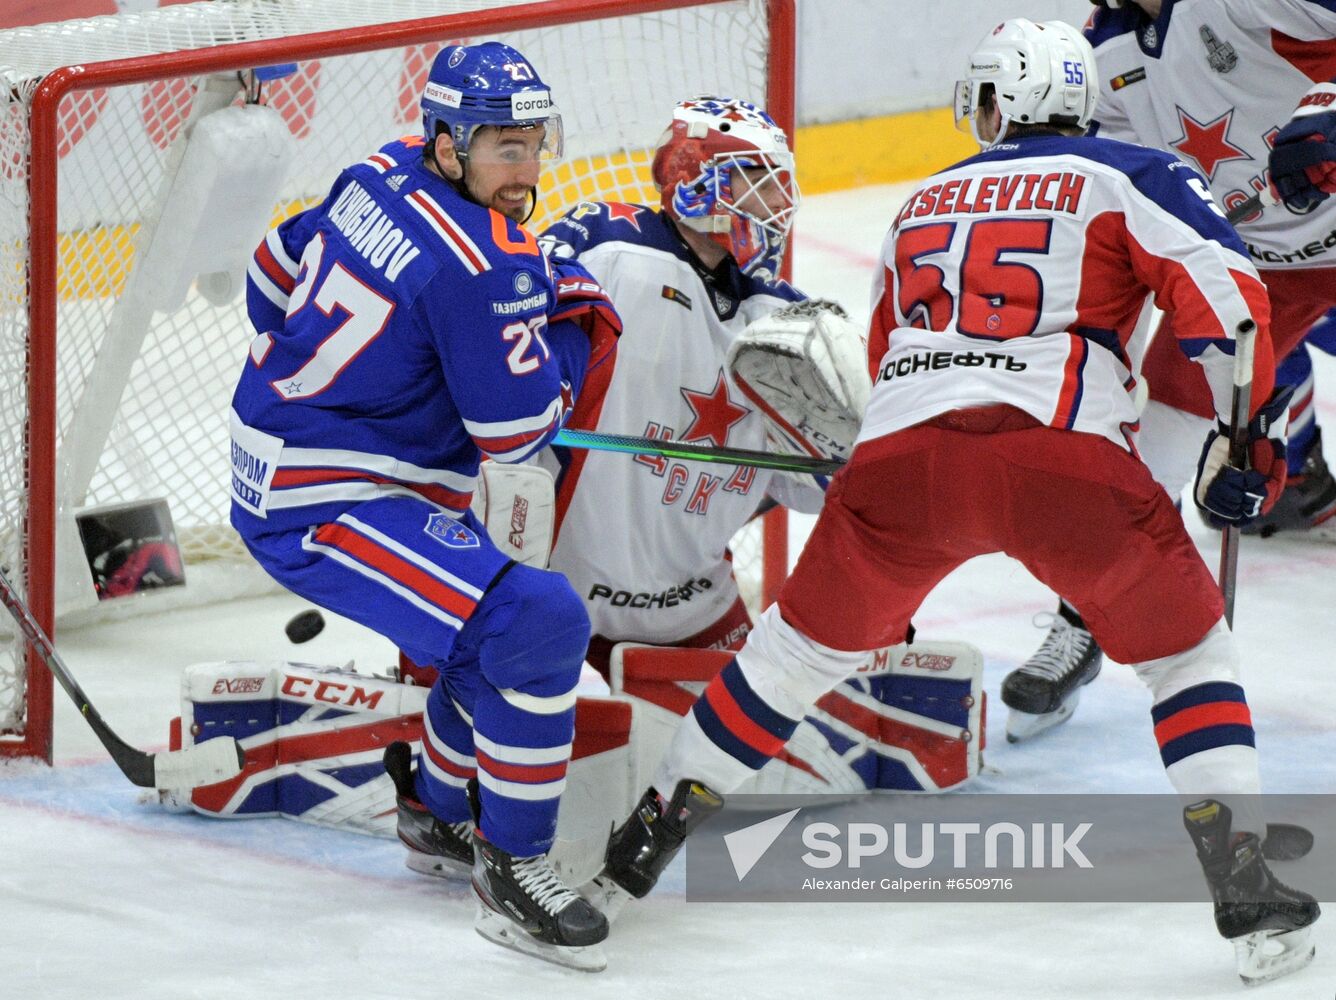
(910, 718)
(313, 738)
(304, 763)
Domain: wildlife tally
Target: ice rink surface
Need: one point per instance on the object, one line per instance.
(105, 896)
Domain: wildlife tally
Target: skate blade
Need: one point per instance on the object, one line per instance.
(606, 896)
(1268, 955)
(1025, 725)
(438, 867)
(503, 931)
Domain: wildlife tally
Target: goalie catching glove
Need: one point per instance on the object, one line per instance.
(805, 367)
(1229, 495)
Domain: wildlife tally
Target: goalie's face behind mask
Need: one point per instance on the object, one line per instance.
(724, 170)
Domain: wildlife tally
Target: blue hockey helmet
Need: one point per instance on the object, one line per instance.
(470, 86)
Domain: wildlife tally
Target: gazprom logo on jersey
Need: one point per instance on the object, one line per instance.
(447, 96)
(530, 104)
(450, 533)
(536, 301)
(523, 286)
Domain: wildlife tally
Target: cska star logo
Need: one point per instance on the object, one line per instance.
(713, 413)
(618, 212)
(1207, 144)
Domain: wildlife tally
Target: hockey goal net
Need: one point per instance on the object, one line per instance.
(112, 390)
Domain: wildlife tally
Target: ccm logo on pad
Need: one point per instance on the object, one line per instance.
(332, 692)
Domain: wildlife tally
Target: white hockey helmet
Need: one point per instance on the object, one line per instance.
(717, 157)
(1041, 73)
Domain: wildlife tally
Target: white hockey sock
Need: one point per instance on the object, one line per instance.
(1204, 728)
(750, 710)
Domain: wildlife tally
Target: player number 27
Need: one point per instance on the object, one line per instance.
(530, 350)
(1003, 298)
(365, 314)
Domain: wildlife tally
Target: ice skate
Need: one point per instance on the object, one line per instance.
(1268, 922)
(436, 848)
(1308, 502)
(523, 905)
(642, 847)
(1044, 691)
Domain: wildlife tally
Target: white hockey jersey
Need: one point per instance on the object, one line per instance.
(1018, 275)
(1214, 81)
(644, 540)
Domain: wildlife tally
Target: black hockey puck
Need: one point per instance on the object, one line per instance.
(305, 626)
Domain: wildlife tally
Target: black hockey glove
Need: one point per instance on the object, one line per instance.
(1228, 495)
(1303, 157)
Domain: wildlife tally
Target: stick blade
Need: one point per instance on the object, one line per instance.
(203, 764)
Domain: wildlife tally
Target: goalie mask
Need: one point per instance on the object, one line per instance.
(724, 168)
(472, 86)
(1040, 73)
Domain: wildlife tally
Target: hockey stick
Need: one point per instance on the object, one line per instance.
(1259, 201)
(595, 441)
(203, 764)
(1244, 337)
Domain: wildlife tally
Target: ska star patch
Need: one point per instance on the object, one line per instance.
(450, 533)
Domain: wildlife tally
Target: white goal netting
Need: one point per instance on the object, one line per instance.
(142, 387)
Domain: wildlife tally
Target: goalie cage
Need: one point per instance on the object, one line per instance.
(110, 394)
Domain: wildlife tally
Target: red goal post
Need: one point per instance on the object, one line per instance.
(95, 113)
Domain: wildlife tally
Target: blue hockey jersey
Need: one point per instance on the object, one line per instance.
(403, 332)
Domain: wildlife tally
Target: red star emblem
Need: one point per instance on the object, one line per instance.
(624, 213)
(713, 413)
(1208, 144)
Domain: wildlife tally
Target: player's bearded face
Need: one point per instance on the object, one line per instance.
(503, 169)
